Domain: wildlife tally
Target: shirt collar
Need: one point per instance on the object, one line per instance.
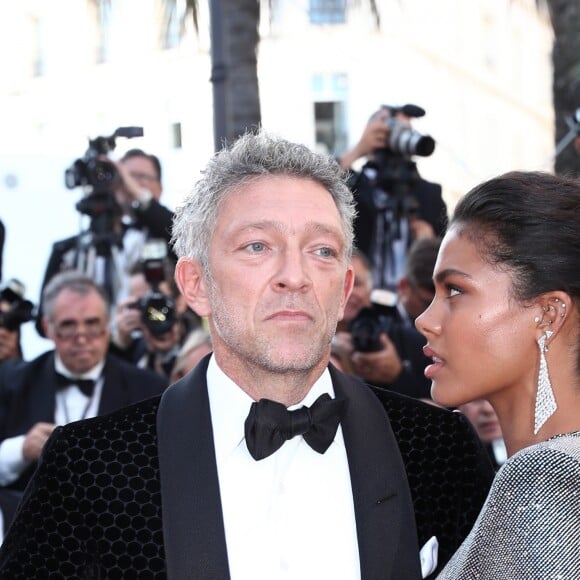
(230, 405)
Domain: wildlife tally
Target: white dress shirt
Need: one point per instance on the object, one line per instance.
(290, 515)
(71, 405)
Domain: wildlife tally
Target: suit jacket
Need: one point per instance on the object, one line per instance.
(98, 491)
(28, 395)
(427, 195)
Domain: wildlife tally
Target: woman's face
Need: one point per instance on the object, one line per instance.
(481, 340)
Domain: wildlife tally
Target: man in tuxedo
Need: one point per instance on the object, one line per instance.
(75, 381)
(264, 461)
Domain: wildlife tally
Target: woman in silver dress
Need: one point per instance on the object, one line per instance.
(504, 325)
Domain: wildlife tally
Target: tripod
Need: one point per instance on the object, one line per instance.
(395, 205)
(98, 252)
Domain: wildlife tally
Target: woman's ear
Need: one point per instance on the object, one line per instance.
(552, 309)
(190, 279)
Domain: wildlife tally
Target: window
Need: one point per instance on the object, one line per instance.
(38, 64)
(329, 126)
(173, 22)
(330, 93)
(327, 11)
(175, 135)
(102, 17)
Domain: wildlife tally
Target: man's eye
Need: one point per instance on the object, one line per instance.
(326, 252)
(256, 247)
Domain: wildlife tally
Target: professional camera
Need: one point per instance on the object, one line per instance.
(403, 139)
(158, 311)
(395, 172)
(365, 330)
(19, 310)
(368, 325)
(91, 170)
(98, 176)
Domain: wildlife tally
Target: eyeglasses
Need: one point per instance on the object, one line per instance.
(143, 176)
(72, 330)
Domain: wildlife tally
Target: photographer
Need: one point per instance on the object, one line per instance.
(125, 213)
(382, 344)
(138, 192)
(395, 204)
(14, 311)
(151, 325)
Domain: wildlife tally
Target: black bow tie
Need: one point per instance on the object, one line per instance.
(86, 386)
(270, 424)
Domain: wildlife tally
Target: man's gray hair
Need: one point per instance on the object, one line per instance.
(74, 281)
(252, 156)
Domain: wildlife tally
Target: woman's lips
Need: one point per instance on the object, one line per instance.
(438, 362)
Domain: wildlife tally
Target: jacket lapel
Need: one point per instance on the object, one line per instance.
(36, 399)
(193, 527)
(376, 472)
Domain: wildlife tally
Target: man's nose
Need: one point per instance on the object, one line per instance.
(292, 274)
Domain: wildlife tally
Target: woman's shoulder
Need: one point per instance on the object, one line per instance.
(558, 447)
(551, 460)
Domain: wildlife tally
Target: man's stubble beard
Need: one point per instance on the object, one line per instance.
(259, 350)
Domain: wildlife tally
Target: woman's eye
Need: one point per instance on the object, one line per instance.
(453, 291)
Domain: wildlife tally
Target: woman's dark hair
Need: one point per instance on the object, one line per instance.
(529, 223)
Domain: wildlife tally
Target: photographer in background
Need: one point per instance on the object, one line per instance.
(138, 192)
(484, 419)
(125, 213)
(76, 380)
(151, 325)
(395, 204)
(382, 344)
(15, 310)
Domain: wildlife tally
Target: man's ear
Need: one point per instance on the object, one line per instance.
(191, 282)
(46, 327)
(346, 290)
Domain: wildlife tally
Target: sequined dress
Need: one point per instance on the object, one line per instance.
(529, 526)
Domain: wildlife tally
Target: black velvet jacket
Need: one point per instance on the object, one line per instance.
(93, 509)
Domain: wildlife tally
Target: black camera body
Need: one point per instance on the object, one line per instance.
(366, 330)
(91, 170)
(99, 176)
(158, 311)
(19, 310)
(368, 325)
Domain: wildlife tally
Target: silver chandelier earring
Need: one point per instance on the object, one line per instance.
(545, 401)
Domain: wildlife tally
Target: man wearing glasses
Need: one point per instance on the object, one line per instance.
(76, 380)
